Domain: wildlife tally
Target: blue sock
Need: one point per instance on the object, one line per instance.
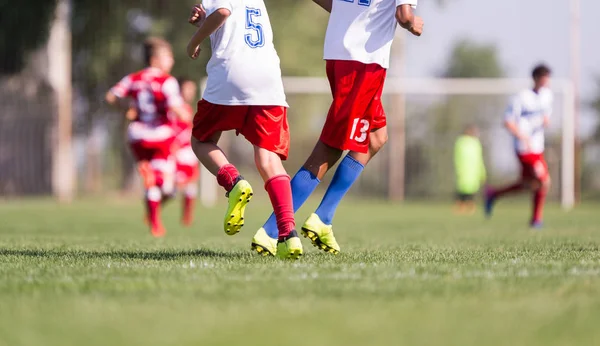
(303, 185)
(346, 174)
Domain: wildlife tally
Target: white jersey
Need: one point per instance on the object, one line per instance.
(362, 30)
(244, 68)
(528, 110)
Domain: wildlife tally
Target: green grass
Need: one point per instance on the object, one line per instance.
(89, 274)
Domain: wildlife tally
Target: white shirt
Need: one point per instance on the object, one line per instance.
(362, 30)
(244, 68)
(528, 110)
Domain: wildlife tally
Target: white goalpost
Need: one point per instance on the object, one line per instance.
(448, 87)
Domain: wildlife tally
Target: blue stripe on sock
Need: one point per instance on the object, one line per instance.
(303, 185)
(346, 174)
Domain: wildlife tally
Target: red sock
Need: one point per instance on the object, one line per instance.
(227, 176)
(153, 198)
(280, 193)
(539, 197)
(508, 190)
(188, 208)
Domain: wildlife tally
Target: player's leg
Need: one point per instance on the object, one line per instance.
(277, 184)
(541, 187)
(188, 171)
(493, 194)
(356, 122)
(152, 192)
(266, 127)
(347, 173)
(189, 189)
(306, 180)
(238, 190)
(209, 122)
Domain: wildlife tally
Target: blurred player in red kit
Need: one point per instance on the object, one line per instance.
(527, 118)
(155, 94)
(357, 50)
(188, 167)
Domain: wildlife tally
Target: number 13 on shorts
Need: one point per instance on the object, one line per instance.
(360, 130)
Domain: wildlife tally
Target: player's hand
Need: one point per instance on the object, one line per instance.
(131, 114)
(193, 52)
(416, 27)
(197, 16)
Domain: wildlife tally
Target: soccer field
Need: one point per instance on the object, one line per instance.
(89, 274)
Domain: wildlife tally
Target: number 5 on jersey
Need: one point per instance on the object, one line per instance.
(255, 38)
(360, 132)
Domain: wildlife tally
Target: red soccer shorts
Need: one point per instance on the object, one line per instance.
(356, 109)
(264, 126)
(534, 166)
(150, 142)
(188, 167)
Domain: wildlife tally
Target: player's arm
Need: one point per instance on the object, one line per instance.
(211, 24)
(510, 121)
(119, 91)
(325, 4)
(406, 17)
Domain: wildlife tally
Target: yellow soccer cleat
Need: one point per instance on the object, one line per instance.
(320, 234)
(263, 244)
(239, 197)
(291, 248)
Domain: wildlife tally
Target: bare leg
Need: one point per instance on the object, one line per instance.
(209, 153)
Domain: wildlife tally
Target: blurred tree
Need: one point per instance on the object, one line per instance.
(473, 60)
(23, 27)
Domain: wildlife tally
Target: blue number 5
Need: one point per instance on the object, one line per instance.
(256, 27)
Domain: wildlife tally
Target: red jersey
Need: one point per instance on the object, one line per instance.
(153, 92)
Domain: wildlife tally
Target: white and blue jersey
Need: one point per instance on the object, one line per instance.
(244, 68)
(363, 30)
(528, 111)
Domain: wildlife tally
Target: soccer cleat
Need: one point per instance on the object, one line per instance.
(489, 203)
(263, 244)
(239, 197)
(158, 231)
(290, 248)
(320, 234)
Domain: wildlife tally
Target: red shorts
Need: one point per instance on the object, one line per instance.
(356, 109)
(150, 142)
(534, 166)
(264, 126)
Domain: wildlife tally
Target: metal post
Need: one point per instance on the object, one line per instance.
(576, 78)
(397, 130)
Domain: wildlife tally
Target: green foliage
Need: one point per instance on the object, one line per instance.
(472, 60)
(89, 274)
(24, 27)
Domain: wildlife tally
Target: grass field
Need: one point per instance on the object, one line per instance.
(89, 274)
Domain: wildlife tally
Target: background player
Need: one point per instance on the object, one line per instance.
(526, 119)
(357, 49)
(155, 92)
(244, 93)
(469, 169)
(187, 165)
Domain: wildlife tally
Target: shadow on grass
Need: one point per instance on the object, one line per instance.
(161, 255)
